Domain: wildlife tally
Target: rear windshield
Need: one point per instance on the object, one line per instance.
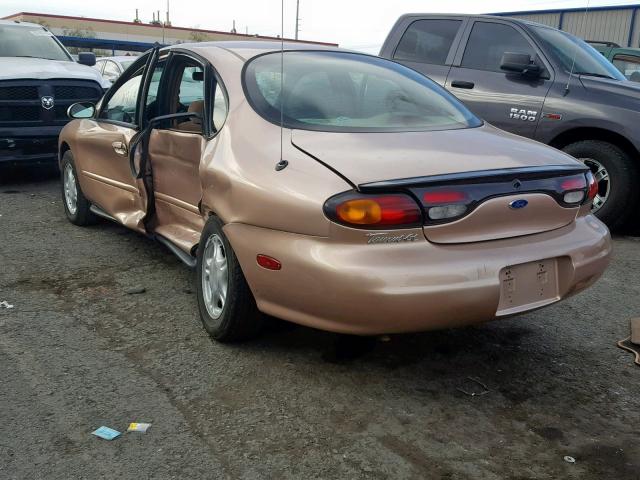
(349, 92)
(36, 42)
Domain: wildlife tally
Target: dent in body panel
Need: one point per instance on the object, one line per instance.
(104, 176)
(175, 163)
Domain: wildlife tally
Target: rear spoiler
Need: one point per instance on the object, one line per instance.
(478, 176)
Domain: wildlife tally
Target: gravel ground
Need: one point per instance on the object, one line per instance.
(77, 352)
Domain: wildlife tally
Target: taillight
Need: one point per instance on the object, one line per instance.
(573, 189)
(444, 203)
(374, 211)
(592, 186)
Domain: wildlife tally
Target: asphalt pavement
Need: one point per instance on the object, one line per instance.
(77, 352)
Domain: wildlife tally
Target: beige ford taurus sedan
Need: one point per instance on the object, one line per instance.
(332, 189)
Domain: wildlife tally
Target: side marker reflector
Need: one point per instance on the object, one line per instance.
(268, 262)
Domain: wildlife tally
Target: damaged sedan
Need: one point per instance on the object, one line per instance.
(332, 189)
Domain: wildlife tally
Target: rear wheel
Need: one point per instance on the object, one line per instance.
(227, 307)
(76, 206)
(616, 173)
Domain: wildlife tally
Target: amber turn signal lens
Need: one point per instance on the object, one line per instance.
(360, 212)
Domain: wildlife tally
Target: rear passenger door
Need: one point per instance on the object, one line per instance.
(184, 83)
(510, 101)
(428, 46)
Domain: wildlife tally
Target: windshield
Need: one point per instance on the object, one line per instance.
(22, 41)
(348, 92)
(565, 47)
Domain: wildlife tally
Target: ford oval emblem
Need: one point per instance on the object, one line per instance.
(518, 204)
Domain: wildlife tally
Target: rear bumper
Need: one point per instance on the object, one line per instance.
(29, 145)
(391, 288)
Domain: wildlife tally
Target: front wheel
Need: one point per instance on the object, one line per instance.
(616, 173)
(227, 308)
(76, 206)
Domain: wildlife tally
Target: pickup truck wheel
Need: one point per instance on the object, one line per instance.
(616, 173)
(76, 206)
(227, 308)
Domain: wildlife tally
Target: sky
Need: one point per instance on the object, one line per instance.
(357, 24)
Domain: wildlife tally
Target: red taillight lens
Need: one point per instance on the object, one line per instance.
(592, 186)
(575, 183)
(440, 197)
(374, 211)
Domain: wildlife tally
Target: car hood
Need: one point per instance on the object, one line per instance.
(14, 68)
(371, 157)
(625, 90)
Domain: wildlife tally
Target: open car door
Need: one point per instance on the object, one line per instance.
(174, 141)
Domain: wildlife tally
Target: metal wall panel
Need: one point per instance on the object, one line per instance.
(612, 25)
(609, 25)
(635, 39)
(551, 19)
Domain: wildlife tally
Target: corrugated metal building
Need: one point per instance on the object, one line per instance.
(619, 24)
(126, 36)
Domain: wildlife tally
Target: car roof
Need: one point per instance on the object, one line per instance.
(120, 58)
(249, 48)
(471, 16)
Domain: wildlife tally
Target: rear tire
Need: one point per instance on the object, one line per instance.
(76, 205)
(616, 173)
(227, 308)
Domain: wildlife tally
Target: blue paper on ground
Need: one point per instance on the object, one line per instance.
(106, 433)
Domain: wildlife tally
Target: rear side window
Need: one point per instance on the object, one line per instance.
(488, 42)
(427, 41)
(629, 65)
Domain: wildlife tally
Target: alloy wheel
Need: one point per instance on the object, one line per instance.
(215, 277)
(70, 189)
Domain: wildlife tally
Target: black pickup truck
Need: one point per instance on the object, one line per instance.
(538, 82)
(38, 82)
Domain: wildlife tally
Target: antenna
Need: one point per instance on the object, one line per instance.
(575, 52)
(297, 17)
(282, 164)
(281, 74)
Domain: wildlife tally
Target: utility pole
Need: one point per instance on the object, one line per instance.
(297, 17)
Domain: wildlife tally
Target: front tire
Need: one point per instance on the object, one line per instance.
(76, 205)
(227, 308)
(616, 173)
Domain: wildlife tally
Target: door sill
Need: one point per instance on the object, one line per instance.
(101, 213)
(187, 259)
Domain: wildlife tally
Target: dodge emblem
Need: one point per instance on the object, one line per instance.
(47, 102)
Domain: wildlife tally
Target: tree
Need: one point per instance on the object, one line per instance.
(78, 33)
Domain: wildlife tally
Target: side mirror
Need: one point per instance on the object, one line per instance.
(520, 63)
(81, 110)
(87, 58)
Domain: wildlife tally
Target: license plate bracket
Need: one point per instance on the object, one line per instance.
(528, 285)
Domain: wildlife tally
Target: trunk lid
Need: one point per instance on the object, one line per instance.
(371, 157)
(499, 184)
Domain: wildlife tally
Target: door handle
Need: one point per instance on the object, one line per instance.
(120, 148)
(462, 84)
